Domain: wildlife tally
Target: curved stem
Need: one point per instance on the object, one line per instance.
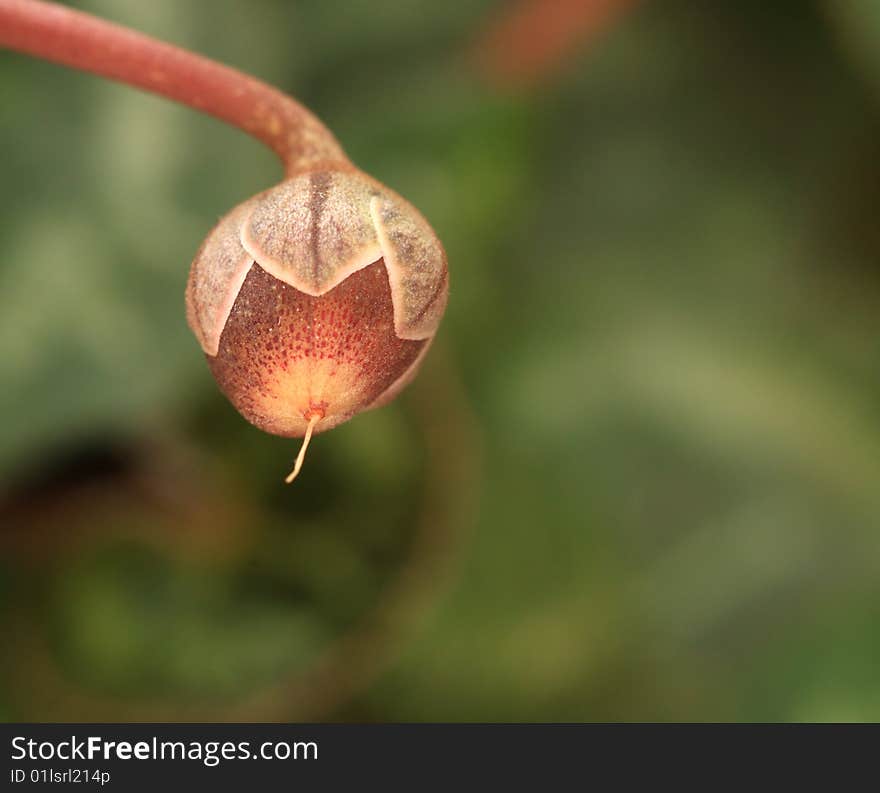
(84, 42)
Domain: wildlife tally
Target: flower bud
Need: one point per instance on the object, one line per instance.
(316, 299)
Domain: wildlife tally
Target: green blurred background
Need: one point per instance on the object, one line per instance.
(639, 475)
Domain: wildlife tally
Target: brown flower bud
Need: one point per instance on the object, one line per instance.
(316, 300)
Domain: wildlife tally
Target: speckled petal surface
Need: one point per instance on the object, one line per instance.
(314, 231)
(217, 273)
(284, 354)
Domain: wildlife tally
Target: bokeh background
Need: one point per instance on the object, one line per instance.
(639, 475)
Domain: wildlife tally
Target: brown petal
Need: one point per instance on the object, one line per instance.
(315, 230)
(216, 275)
(416, 266)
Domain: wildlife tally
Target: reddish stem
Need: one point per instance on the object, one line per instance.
(84, 42)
